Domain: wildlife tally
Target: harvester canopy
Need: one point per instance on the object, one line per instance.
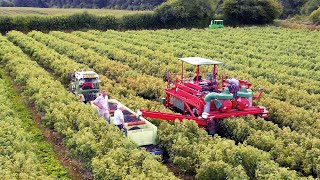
(86, 74)
(199, 61)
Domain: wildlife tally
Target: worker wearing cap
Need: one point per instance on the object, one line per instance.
(102, 103)
(118, 117)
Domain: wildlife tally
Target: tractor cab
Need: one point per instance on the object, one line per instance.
(85, 84)
(216, 24)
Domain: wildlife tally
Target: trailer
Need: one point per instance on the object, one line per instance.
(137, 128)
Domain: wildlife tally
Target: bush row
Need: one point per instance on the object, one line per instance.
(27, 43)
(86, 21)
(114, 70)
(22, 142)
(61, 65)
(136, 62)
(99, 145)
(294, 54)
(278, 91)
(282, 113)
(215, 157)
(288, 148)
(277, 74)
(235, 56)
(155, 58)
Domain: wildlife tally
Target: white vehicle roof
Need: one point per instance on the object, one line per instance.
(199, 61)
(86, 74)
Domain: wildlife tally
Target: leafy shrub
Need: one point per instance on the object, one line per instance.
(315, 16)
(250, 11)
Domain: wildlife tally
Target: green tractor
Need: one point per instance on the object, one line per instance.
(85, 85)
(215, 24)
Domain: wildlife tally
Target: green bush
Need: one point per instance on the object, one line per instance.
(49, 23)
(89, 21)
(185, 13)
(240, 12)
(220, 170)
(315, 16)
(310, 6)
(140, 21)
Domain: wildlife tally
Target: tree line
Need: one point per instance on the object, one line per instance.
(289, 7)
(116, 4)
(182, 13)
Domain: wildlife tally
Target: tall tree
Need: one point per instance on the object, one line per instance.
(175, 10)
(291, 7)
(250, 11)
(310, 6)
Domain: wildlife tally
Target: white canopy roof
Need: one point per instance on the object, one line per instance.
(86, 74)
(199, 61)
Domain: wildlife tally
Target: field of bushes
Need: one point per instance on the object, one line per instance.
(133, 64)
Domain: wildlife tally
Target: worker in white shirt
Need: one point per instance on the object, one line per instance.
(102, 103)
(118, 118)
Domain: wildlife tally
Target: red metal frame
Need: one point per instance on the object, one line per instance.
(215, 115)
(172, 117)
(190, 94)
(259, 95)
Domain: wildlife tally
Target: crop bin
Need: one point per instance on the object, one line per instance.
(138, 129)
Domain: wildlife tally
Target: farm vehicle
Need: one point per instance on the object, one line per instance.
(85, 85)
(205, 100)
(215, 24)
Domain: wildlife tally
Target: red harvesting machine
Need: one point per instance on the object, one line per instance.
(202, 101)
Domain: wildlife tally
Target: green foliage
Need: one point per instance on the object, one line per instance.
(118, 72)
(179, 12)
(315, 16)
(85, 20)
(279, 99)
(194, 151)
(291, 7)
(117, 4)
(220, 170)
(21, 141)
(140, 21)
(6, 3)
(287, 147)
(310, 6)
(130, 163)
(250, 11)
(294, 64)
(85, 134)
(46, 23)
(250, 61)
